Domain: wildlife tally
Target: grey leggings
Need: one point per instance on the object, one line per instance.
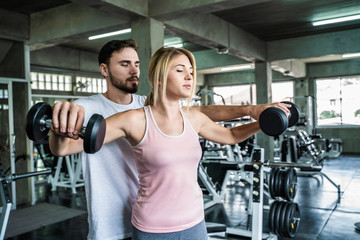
(198, 232)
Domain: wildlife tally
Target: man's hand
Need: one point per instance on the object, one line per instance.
(257, 109)
(67, 119)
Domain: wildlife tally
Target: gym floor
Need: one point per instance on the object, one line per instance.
(322, 217)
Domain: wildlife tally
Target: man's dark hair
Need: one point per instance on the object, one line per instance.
(114, 46)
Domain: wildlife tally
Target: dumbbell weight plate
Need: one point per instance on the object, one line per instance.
(35, 130)
(295, 114)
(273, 121)
(94, 134)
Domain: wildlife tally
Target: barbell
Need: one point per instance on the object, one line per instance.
(250, 166)
(38, 123)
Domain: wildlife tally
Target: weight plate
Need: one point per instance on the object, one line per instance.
(277, 226)
(287, 187)
(271, 217)
(295, 113)
(292, 220)
(35, 128)
(295, 222)
(94, 134)
(278, 183)
(282, 184)
(274, 217)
(293, 184)
(281, 228)
(287, 224)
(273, 121)
(357, 226)
(271, 182)
(288, 214)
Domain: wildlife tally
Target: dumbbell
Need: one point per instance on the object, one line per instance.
(273, 121)
(38, 124)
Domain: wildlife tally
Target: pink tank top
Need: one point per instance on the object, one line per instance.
(169, 198)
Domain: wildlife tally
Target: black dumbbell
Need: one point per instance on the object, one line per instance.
(273, 121)
(38, 123)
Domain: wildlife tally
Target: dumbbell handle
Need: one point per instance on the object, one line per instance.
(46, 123)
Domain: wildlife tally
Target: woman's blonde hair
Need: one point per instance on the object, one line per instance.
(159, 68)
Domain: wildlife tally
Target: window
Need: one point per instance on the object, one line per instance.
(49, 81)
(90, 85)
(282, 91)
(64, 82)
(246, 94)
(338, 101)
(233, 95)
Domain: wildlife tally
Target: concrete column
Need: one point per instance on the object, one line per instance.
(15, 64)
(149, 34)
(263, 80)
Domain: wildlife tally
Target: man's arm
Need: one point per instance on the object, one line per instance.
(219, 113)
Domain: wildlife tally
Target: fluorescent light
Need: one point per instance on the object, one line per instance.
(336, 20)
(110, 34)
(351, 55)
(240, 67)
(178, 45)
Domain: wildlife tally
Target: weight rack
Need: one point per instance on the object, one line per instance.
(5, 197)
(257, 191)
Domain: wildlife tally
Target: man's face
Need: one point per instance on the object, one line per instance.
(124, 70)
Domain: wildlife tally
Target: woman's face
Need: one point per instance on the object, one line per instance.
(180, 78)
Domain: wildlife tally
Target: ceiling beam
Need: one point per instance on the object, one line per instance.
(71, 59)
(172, 9)
(211, 59)
(216, 33)
(14, 26)
(124, 8)
(69, 23)
(315, 45)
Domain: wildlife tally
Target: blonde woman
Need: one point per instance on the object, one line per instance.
(165, 142)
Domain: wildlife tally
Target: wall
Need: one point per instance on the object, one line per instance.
(350, 140)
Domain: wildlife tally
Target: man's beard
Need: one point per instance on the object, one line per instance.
(123, 87)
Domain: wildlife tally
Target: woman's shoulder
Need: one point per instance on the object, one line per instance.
(192, 113)
(135, 113)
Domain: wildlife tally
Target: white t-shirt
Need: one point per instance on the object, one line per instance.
(110, 175)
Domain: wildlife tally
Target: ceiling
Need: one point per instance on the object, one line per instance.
(267, 20)
(282, 19)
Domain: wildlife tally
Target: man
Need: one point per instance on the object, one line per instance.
(110, 175)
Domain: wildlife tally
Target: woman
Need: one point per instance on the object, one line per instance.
(164, 137)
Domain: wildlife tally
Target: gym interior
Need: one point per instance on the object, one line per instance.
(302, 183)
